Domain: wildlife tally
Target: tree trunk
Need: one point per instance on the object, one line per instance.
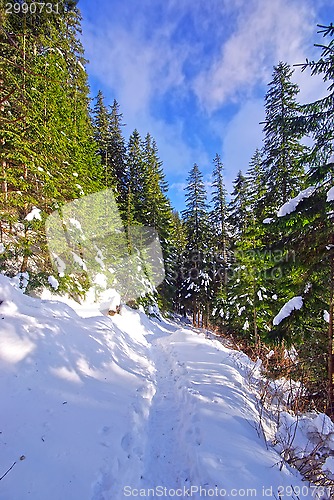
(4, 186)
(194, 312)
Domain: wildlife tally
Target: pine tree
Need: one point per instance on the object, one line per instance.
(245, 310)
(282, 151)
(220, 240)
(256, 186)
(238, 206)
(47, 148)
(157, 209)
(318, 116)
(175, 264)
(195, 288)
(307, 230)
(118, 156)
(135, 180)
(102, 138)
(307, 233)
(218, 217)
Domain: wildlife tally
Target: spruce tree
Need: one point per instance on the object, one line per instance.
(220, 250)
(196, 285)
(307, 230)
(282, 151)
(48, 153)
(102, 138)
(118, 156)
(318, 116)
(218, 217)
(238, 206)
(135, 180)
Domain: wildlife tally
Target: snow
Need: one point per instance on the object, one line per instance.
(291, 205)
(53, 282)
(2, 248)
(80, 189)
(330, 194)
(78, 260)
(101, 280)
(81, 65)
(20, 281)
(268, 220)
(291, 305)
(75, 223)
(34, 214)
(326, 316)
(60, 264)
(109, 300)
(99, 408)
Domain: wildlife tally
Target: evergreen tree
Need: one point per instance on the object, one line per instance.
(218, 217)
(220, 239)
(238, 206)
(318, 116)
(256, 186)
(102, 137)
(157, 212)
(118, 156)
(307, 230)
(282, 151)
(157, 209)
(195, 288)
(135, 180)
(175, 262)
(245, 311)
(195, 215)
(47, 149)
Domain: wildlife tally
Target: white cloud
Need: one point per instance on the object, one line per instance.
(242, 136)
(135, 67)
(220, 50)
(266, 32)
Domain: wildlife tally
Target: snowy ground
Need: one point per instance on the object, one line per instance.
(106, 408)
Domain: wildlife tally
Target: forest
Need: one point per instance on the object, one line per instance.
(256, 265)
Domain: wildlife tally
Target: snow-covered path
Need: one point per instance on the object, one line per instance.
(163, 452)
(99, 408)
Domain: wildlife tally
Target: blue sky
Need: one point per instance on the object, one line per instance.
(194, 73)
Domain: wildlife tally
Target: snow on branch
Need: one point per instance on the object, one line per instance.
(291, 305)
(291, 205)
(34, 214)
(330, 194)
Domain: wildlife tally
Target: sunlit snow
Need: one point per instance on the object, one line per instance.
(34, 214)
(291, 205)
(98, 408)
(291, 305)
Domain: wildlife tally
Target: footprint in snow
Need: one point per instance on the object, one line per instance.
(126, 442)
(105, 430)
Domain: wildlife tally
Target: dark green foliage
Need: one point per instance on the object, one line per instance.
(47, 151)
(282, 151)
(196, 286)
